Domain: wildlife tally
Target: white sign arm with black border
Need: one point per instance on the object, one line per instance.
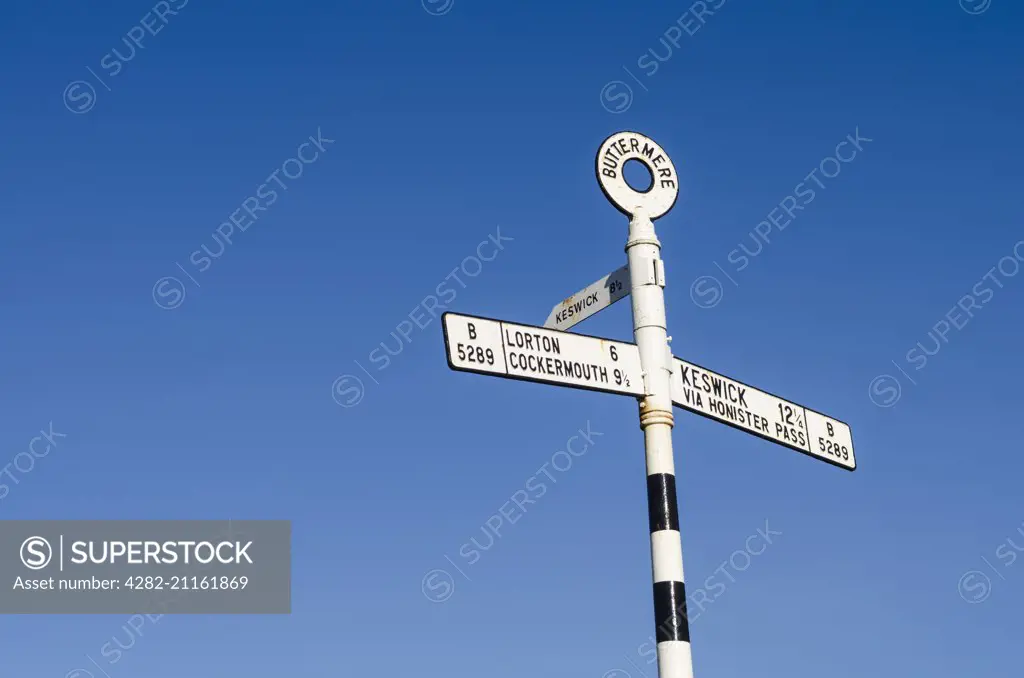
(530, 353)
(763, 414)
(590, 300)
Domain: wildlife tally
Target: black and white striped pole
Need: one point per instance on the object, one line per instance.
(647, 283)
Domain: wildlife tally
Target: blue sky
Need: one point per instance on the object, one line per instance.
(454, 125)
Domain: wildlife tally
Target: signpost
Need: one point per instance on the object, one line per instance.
(645, 370)
(591, 299)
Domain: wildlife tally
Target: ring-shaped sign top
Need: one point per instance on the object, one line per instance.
(615, 152)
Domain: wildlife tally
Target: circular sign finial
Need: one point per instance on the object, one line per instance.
(615, 152)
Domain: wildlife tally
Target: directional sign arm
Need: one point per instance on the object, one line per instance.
(590, 300)
(532, 353)
(749, 409)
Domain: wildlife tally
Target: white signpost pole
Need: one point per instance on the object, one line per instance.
(647, 282)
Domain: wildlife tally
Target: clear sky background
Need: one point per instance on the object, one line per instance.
(452, 123)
